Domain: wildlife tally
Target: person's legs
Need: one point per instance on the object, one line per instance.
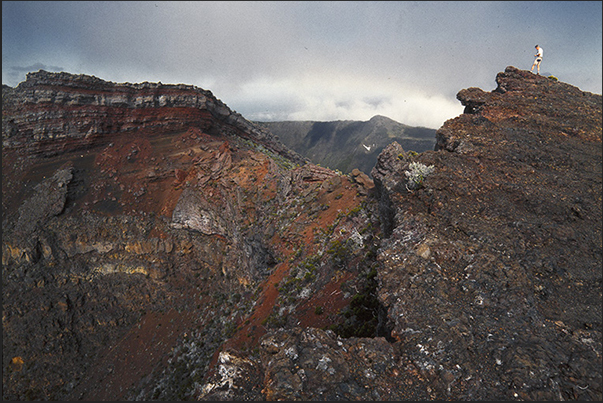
(538, 65)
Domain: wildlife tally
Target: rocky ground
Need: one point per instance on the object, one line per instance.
(502, 246)
(158, 246)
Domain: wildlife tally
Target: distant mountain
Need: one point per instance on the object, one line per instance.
(348, 144)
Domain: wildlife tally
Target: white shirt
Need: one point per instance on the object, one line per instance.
(540, 53)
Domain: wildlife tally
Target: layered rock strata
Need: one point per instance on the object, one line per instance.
(143, 219)
(58, 109)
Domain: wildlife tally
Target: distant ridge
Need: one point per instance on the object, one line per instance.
(348, 144)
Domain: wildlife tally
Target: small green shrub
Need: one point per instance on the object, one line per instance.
(416, 174)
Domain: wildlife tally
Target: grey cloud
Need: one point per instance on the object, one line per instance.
(310, 60)
(35, 67)
(16, 74)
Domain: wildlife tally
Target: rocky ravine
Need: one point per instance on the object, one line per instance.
(158, 246)
(142, 221)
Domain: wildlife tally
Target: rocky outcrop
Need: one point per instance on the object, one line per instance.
(48, 200)
(492, 274)
(176, 252)
(304, 364)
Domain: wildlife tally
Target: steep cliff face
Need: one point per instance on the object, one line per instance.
(55, 110)
(166, 248)
(141, 217)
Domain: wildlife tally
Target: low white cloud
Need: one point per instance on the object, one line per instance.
(329, 99)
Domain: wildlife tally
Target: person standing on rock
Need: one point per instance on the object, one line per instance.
(538, 59)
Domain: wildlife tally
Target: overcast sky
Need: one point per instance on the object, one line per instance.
(309, 60)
